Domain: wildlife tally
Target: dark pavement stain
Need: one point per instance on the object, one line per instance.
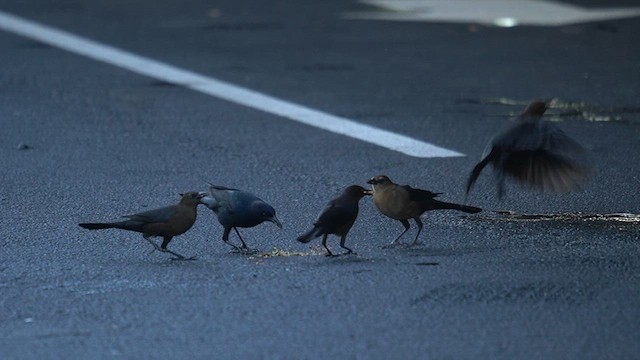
(32, 44)
(322, 67)
(531, 293)
(245, 26)
(457, 251)
(161, 83)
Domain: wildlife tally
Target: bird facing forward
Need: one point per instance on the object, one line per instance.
(166, 222)
(536, 153)
(337, 218)
(236, 208)
(402, 202)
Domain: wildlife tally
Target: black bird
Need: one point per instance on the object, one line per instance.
(167, 222)
(402, 202)
(337, 218)
(535, 153)
(236, 208)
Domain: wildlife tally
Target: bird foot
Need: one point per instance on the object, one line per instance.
(184, 258)
(329, 254)
(415, 243)
(244, 251)
(248, 251)
(349, 253)
(394, 245)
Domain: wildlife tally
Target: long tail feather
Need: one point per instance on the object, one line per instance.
(452, 206)
(96, 226)
(125, 225)
(309, 235)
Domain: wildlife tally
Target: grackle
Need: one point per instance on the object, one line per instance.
(535, 153)
(236, 208)
(402, 202)
(337, 218)
(167, 222)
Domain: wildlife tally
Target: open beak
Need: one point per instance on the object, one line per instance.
(202, 194)
(275, 220)
(368, 192)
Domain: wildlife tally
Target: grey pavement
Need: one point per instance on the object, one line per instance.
(104, 142)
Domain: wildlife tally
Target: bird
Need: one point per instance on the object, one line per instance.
(236, 208)
(166, 222)
(337, 218)
(402, 202)
(535, 153)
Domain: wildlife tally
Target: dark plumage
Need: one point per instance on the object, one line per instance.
(535, 153)
(236, 208)
(337, 218)
(404, 202)
(167, 222)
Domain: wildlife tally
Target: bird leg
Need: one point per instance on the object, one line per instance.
(419, 223)
(178, 256)
(244, 249)
(155, 246)
(343, 239)
(225, 238)
(324, 243)
(163, 248)
(395, 241)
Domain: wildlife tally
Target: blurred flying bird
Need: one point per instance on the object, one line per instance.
(402, 202)
(337, 218)
(535, 153)
(166, 222)
(236, 208)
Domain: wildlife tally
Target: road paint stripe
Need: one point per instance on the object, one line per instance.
(220, 89)
(505, 13)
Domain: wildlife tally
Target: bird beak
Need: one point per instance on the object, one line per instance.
(372, 182)
(368, 192)
(202, 194)
(275, 220)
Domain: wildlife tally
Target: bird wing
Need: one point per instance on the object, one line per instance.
(419, 194)
(224, 197)
(475, 173)
(156, 215)
(540, 154)
(536, 135)
(545, 170)
(336, 214)
(213, 187)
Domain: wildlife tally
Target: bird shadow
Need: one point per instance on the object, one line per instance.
(420, 251)
(352, 258)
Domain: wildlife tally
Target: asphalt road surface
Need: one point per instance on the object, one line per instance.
(83, 140)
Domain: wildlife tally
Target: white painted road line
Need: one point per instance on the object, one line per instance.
(506, 13)
(220, 89)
